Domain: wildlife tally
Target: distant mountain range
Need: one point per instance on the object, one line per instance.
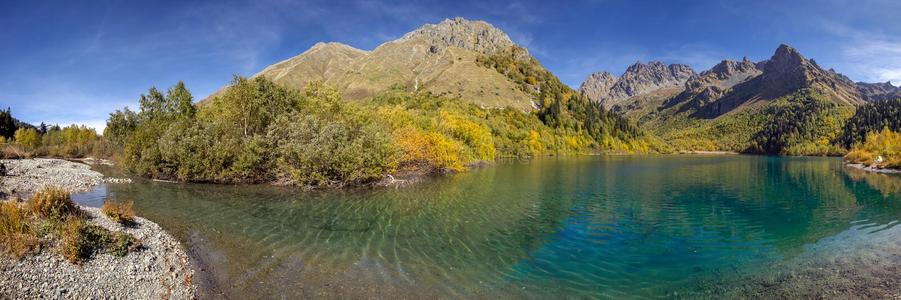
(731, 84)
(680, 105)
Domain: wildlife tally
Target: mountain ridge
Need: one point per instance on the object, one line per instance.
(438, 58)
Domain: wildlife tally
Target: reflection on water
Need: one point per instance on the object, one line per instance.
(588, 226)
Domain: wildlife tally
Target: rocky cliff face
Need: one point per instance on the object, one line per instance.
(712, 84)
(477, 36)
(597, 86)
(878, 91)
(638, 79)
(724, 75)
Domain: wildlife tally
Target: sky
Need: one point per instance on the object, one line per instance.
(64, 62)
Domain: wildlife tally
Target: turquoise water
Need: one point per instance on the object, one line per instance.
(596, 227)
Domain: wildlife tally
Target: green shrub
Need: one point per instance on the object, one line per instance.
(121, 243)
(317, 152)
(80, 240)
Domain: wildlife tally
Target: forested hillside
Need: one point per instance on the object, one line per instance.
(872, 117)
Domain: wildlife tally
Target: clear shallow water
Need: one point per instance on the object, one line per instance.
(604, 227)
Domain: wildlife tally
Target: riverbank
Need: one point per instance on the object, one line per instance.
(26, 176)
(159, 270)
(708, 152)
(872, 169)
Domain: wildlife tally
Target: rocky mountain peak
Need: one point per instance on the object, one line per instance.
(478, 36)
(639, 78)
(598, 85)
(727, 68)
(784, 59)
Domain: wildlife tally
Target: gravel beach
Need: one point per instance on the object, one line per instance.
(26, 176)
(161, 270)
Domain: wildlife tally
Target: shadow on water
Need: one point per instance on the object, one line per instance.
(608, 227)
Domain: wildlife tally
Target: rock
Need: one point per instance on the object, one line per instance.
(478, 36)
(878, 91)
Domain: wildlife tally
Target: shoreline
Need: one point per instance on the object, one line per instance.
(698, 152)
(28, 175)
(872, 169)
(161, 269)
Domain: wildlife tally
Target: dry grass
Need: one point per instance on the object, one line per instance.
(17, 237)
(53, 203)
(10, 151)
(121, 212)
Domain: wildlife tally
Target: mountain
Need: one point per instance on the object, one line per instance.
(439, 58)
(786, 72)
(638, 79)
(735, 104)
(878, 91)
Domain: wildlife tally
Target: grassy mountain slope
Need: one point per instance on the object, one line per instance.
(429, 59)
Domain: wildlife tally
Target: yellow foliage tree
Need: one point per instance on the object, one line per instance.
(880, 149)
(27, 138)
(476, 136)
(430, 149)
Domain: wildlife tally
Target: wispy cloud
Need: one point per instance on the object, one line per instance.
(869, 55)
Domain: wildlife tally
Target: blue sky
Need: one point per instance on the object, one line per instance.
(76, 61)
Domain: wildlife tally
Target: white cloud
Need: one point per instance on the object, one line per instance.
(869, 56)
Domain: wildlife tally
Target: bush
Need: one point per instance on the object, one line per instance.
(53, 203)
(318, 152)
(428, 150)
(121, 212)
(17, 237)
(80, 241)
(121, 243)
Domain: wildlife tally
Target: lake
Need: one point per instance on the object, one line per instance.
(592, 227)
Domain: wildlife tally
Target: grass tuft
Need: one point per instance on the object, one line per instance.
(53, 203)
(17, 238)
(121, 212)
(81, 241)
